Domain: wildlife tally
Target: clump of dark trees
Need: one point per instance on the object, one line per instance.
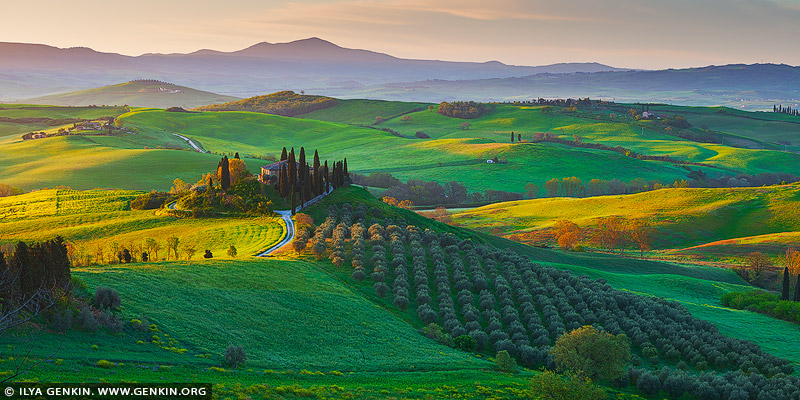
(505, 302)
(786, 110)
(286, 103)
(301, 182)
(461, 109)
(421, 192)
(35, 282)
(785, 307)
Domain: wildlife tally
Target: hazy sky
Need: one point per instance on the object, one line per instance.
(628, 33)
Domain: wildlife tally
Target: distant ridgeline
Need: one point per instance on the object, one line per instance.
(286, 103)
(786, 110)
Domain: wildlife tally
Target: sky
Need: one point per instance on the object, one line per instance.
(629, 33)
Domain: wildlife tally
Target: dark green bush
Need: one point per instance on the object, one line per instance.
(235, 356)
(106, 298)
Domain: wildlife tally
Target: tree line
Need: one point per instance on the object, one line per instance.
(301, 182)
(427, 193)
(32, 279)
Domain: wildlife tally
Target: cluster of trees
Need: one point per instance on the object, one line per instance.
(461, 109)
(32, 279)
(6, 190)
(505, 302)
(301, 182)
(419, 192)
(563, 102)
(786, 110)
(286, 103)
(612, 232)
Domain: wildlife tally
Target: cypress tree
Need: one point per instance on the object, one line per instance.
(317, 177)
(512, 137)
(293, 199)
(292, 168)
(225, 174)
(785, 292)
(797, 289)
(326, 177)
(283, 181)
(284, 156)
(236, 156)
(519, 137)
(302, 194)
(345, 168)
(301, 164)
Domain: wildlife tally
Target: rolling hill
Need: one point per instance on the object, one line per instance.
(709, 222)
(140, 93)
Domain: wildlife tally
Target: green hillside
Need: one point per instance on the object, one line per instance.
(681, 217)
(140, 93)
(18, 119)
(363, 112)
(286, 103)
(93, 221)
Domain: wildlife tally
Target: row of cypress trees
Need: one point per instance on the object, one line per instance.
(302, 182)
(786, 110)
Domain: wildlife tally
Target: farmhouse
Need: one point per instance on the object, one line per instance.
(274, 169)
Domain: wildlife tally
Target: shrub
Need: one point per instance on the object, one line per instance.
(232, 251)
(208, 254)
(422, 135)
(381, 289)
(105, 297)
(87, 320)
(465, 342)
(648, 383)
(235, 356)
(549, 385)
(105, 364)
(504, 362)
(62, 320)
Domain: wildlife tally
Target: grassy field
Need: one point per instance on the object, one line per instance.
(142, 94)
(364, 112)
(96, 219)
(681, 217)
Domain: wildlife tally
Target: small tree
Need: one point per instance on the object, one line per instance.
(465, 126)
(640, 234)
(757, 262)
(235, 356)
(533, 190)
(189, 251)
(786, 284)
(567, 234)
(406, 119)
(504, 362)
(232, 251)
(208, 254)
(595, 353)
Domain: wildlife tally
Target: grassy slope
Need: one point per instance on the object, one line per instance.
(136, 94)
(96, 218)
(525, 120)
(697, 287)
(83, 162)
(360, 111)
(368, 150)
(683, 217)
